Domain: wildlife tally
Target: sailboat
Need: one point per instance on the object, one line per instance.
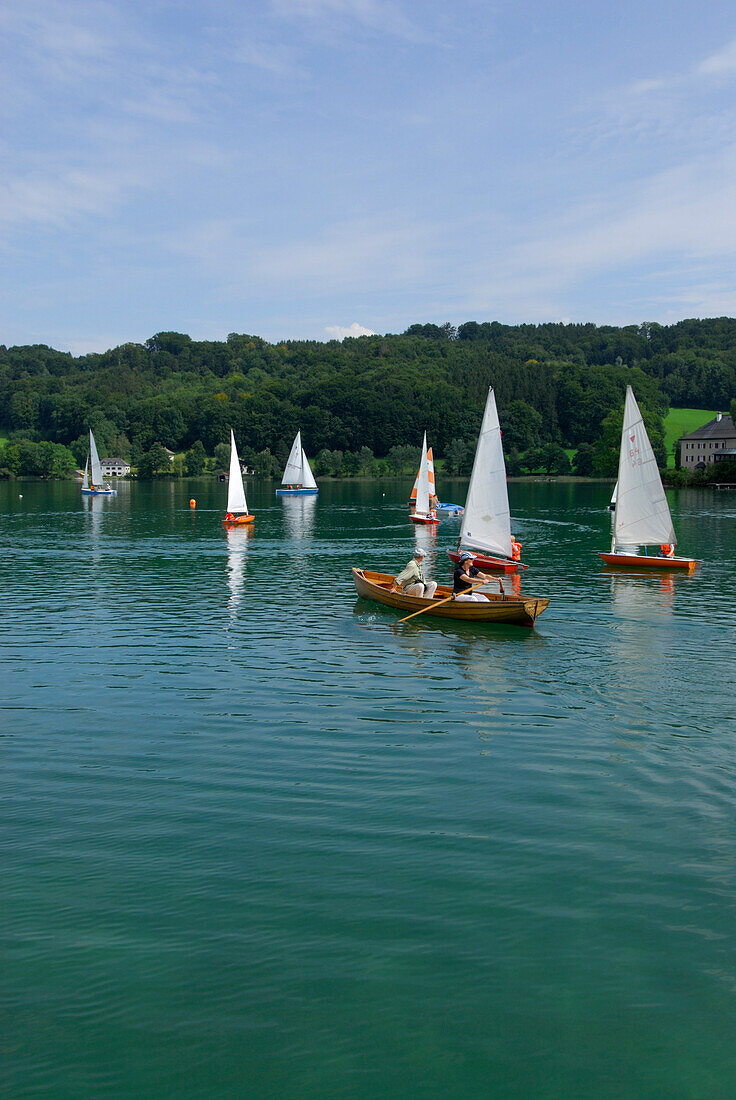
(298, 477)
(93, 483)
(423, 510)
(486, 523)
(430, 472)
(237, 507)
(440, 509)
(642, 515)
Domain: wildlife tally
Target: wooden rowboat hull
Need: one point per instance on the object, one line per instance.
(496, 609)
(493, 565)
(239, 521)
(639, 561)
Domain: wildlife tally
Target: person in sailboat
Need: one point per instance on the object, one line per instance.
(411, 580)
(465, 576)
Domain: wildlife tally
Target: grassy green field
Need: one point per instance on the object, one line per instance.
(679, 422)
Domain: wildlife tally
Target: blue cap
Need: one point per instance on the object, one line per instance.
(466, 556)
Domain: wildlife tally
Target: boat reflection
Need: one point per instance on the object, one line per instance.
(299, 516)
(641, 595)
(237, 544)
(425, 536)
(93, 507)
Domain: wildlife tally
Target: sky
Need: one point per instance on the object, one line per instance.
(310, 169)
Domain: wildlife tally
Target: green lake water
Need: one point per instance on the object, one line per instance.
(258, 841)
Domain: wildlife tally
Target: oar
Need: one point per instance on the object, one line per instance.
(440, 602)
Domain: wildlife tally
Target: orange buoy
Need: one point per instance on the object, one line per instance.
(192, 503)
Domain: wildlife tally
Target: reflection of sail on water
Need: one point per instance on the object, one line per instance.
(299, 516)
(237, 542)
(426, 537)
(93, 508)
(641, 597)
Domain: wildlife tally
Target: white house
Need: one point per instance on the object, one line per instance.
(114, 467)
(714, 441)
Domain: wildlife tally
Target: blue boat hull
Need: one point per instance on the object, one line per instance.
(296, 492)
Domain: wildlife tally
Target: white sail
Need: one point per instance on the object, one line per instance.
(642, 513)
(486, 522)
(85, 479)
(235, 492)
(307, 477)
(293, 468)
(422, 504)
(96, 469)
(614, 496)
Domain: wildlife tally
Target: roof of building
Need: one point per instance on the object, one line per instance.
(721, 427)
(115, 461)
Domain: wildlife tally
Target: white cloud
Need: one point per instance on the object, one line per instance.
(722, 63)
(377, 15)
(270, 57)
(345, 256)
(682, 219)
(338, 332)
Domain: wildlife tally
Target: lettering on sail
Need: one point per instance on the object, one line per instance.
(634, 452)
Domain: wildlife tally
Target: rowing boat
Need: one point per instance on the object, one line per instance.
(496, 608)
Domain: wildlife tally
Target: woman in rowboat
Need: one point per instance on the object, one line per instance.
(411, 579)
(466, 575)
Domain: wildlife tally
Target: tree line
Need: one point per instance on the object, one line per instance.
(559, 388)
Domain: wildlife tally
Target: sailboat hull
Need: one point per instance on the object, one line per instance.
(297, 492)
(422, 519)
(494, 565)
(237, 521)
(494, 609)
(654, 561)
(99, 492)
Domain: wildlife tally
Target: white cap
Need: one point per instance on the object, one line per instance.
(420, 553)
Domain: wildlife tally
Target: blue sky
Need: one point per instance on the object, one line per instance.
(303, 168)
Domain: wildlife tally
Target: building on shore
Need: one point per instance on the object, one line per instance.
(114, 467)
(711, 443)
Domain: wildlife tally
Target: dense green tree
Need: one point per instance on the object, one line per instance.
(154, 463)
(455, 456)
(522, 426)
(222, 456)
(554, 383)
(195, 459)
(583, 460)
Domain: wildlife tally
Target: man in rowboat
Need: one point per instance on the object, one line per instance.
(411, 579)
(465, 576)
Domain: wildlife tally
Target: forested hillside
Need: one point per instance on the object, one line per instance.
(557, 387)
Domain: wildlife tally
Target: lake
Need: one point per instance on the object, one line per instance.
(258, 840)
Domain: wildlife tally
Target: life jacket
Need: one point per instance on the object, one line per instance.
(668, 551)
(515, 550)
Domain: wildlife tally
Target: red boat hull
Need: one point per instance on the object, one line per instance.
(494, 565)
(423, 519)
(638, 561)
